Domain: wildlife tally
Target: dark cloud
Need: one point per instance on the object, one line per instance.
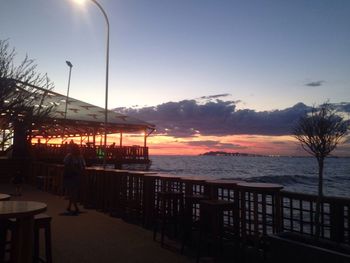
(218, 118)
(216, 96)
(315, 83)
(279, 142)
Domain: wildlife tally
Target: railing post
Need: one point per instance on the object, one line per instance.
(337, 221)
(278, 211)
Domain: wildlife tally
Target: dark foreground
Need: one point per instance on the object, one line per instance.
(96, 237)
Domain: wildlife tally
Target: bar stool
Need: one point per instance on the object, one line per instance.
(212, 224)
(139, 205)
(42, 221)
(148, 199)
(117, 190)
(3, 229)
(191, 219)
(168, 211)
(260, 211)
(133, 205)
(194, 193)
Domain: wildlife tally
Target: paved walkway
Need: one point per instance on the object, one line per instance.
(96, 237)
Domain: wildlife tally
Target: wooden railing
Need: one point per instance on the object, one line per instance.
(258, 213)
(298, 215)
(52, 152)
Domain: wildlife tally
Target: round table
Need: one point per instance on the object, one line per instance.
(212, 186)
(23, 212)
(260, 186)
(4, 197)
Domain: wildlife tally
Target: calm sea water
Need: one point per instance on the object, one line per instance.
(297, 174)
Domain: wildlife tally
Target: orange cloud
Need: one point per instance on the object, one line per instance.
(255, 144)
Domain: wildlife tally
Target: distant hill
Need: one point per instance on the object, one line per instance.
(219, 153)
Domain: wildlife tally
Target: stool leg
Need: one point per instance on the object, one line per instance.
(155, 229)
(48, 247)
(2, 239)
(155, 217)
(162, 230)
(199, 245)
(165, 213)
(175, 215)
(36, 245)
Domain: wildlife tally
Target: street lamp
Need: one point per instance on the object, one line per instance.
(70, 65)
(107, 69)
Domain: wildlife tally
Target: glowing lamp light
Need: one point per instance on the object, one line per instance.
(79, 2)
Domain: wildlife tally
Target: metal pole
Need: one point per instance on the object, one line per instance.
(65, 110)
(106, 92)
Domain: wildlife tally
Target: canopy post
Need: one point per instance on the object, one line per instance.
(121, 139)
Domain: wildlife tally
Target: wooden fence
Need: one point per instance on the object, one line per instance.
(298, 215)
(257, 212)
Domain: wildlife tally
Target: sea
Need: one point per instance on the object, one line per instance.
(297, 174)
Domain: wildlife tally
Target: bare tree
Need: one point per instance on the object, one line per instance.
(22, 106)
(319, 133)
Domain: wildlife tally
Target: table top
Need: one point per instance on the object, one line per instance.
(195, 178)
(260, 186)
(225, 182)
(4, 197)
(168, 176)
(138, 172)
(142, 172)
(19, 209)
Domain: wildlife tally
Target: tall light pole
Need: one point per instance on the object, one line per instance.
(70, 65)
(107, 70)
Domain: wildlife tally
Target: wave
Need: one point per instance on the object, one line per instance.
(285, 179)
(338, 178)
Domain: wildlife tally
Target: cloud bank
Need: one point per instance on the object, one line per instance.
(217, 117)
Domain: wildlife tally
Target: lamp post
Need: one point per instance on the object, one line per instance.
(70, 65)
(107, 70)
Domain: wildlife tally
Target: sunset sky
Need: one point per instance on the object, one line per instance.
(212, 75)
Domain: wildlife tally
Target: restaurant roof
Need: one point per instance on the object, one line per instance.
(81, 118)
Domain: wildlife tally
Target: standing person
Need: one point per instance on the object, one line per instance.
(17, 180)
(74, 165)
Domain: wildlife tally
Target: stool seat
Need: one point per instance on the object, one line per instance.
(40, 218)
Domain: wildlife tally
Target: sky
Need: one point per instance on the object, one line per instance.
(251, 59)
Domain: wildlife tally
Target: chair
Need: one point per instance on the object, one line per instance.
(168, 211)
(41, 221)
(212, 229)
(191, 217)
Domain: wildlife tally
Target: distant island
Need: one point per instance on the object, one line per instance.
(219, 153)
(222, 153)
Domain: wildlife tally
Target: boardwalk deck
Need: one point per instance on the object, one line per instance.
(96, 237)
